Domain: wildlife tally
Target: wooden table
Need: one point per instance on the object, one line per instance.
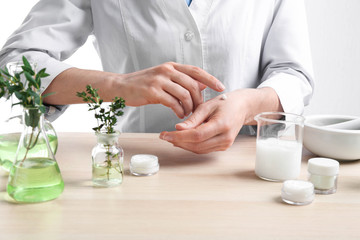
(214, 196)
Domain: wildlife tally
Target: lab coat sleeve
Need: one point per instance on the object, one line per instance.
(286, 61)
(51, 33)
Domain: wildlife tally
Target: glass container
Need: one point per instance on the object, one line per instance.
(297, 192)
(323, 173)
(278, 146)
(35, 175)
(107, 160)
(144, 165)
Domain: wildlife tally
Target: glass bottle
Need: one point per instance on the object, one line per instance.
(35, 175)
(107, 160)
(11, 125)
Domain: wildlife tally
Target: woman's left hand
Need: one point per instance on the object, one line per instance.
(214, 124)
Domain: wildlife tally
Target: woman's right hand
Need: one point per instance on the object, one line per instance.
(174, 85)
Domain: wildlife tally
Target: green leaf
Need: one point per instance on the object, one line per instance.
(19, 96)
(26, 62)
(5, 71)
(28, 70)
(31, 80)
(48, 94)
(14, 88)
(42, 73)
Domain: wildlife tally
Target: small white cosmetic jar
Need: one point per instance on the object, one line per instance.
(144, 165)
(323, 173)
(297, 192)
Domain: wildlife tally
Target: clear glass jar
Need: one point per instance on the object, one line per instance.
(107, 160)
(323, 173)
(278, 146)
(144, 165)
(35, 175)
(297, 192)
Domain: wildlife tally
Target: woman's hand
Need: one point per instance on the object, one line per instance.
(215, 124)
(174, 85)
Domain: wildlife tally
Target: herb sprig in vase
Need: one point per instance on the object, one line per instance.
(35, 175)
(107, 155)
(12, 79)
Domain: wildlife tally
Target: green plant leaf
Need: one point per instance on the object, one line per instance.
(28, 70)
(48, 94)
(5, 71)
(26, 62)
(31, 80)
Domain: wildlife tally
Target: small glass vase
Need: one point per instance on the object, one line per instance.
(35, 175)
(107, 160)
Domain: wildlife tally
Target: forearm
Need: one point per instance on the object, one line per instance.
(259, 100)
(73, 80)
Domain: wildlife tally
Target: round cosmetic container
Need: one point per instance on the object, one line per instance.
(297, 192)
(144, 165)
(323, 173)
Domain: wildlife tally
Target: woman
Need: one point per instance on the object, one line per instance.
(165, 57)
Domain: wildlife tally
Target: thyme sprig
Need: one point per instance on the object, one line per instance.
(106, 120)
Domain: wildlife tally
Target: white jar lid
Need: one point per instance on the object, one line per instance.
(144, 164)
(297, 192)
(323, 166)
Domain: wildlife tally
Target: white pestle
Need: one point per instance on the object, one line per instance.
(353, 124)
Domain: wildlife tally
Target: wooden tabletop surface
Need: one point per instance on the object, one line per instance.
(213, 196)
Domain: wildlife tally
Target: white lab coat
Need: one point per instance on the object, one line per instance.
(243, 43)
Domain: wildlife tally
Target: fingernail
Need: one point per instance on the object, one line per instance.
(167, 138)
(220, 86)
(182, 125)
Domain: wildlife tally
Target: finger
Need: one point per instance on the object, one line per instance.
(171, 102)
(181, 94)
(201, 86)
(201, 114)
(200, 75)
(192, 86)
(196, 135)
(217, 143)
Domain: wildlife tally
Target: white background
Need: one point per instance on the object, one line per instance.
(334, 28)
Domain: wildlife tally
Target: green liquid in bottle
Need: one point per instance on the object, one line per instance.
(10, 142)
(104, 176)
(35, 180)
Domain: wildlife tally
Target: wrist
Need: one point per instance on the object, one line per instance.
(114, 85)
(255, 101)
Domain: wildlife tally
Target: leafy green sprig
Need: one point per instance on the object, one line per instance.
(27, 92)
(106, 120)
(106, 117)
